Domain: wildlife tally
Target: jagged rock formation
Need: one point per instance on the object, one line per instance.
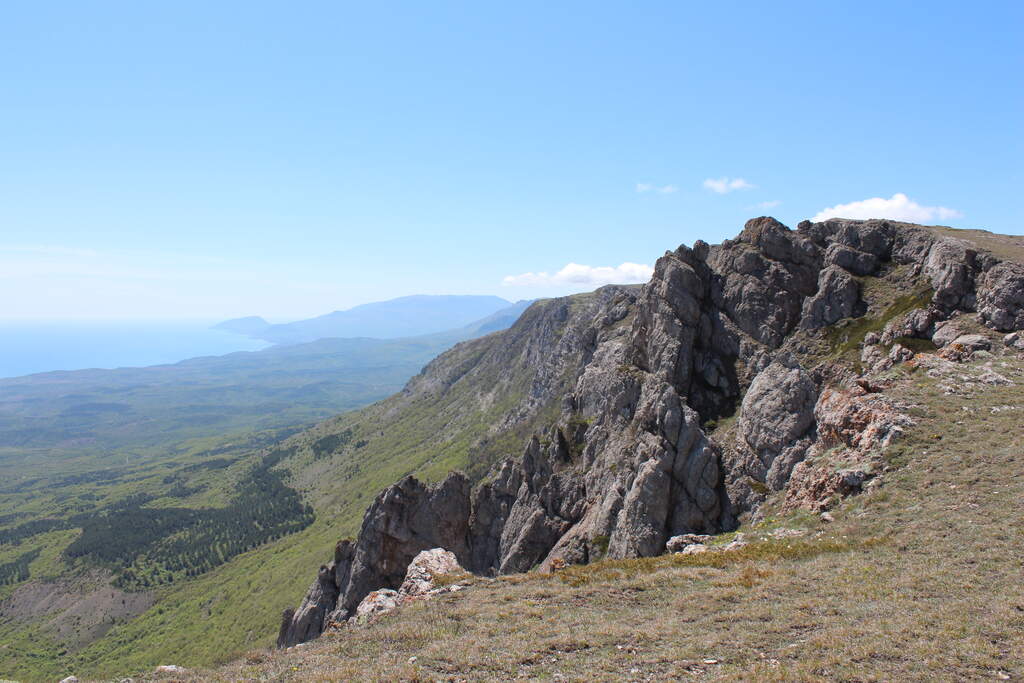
(627, 465)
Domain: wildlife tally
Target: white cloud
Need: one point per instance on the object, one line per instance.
(898, 208)
(575, 274)
(724, 185)
(650, 187)
(771, 204)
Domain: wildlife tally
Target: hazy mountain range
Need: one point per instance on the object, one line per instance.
(407, 316)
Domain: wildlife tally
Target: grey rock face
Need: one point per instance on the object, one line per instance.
(1001, 297)
(874, 358)
(850, 259)
(952, 266)
(762, 278)
(775, 420)
(874, 237)
(838, 297)
(307, 622)
(962, 277)
(492, 504)
(899, 353)
(405, 519)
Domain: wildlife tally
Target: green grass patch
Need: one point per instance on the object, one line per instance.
(846, 336)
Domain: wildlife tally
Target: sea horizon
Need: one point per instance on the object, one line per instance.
(33, 346)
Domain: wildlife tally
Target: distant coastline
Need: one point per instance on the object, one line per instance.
(29, 347)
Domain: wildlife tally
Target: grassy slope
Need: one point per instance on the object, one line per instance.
(920, 579)
(137, 457)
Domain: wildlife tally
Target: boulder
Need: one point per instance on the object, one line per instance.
(419, 578)
(679, 543)
(378, 602)
(973, 342)
(945, 333)
(874, 359)
(1014, 340)
(734, 544)
(818, 488)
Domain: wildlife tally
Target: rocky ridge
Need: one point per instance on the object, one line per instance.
(755, 323)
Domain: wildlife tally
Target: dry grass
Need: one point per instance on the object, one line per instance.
(921, 579)
(1007, 247)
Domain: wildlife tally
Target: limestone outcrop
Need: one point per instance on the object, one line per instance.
(776, 421)
(628, 464)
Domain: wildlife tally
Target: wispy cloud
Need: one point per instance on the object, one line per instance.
(725, 185)
(899, 207)
(660, 189)
(575, 274)
(770, 204)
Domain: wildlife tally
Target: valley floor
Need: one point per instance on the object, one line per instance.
(921, 578)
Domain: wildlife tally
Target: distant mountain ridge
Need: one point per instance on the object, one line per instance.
(251, 326)
(283, 385)
(407, 316)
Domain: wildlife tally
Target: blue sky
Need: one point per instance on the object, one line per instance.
(208, 160)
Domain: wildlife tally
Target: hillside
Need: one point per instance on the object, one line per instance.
(590, 432)
(917, 578)
(98, 414)
(91, 458)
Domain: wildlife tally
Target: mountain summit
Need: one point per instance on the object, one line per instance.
(624, 390)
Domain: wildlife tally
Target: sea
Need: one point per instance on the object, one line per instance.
(28, 347)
